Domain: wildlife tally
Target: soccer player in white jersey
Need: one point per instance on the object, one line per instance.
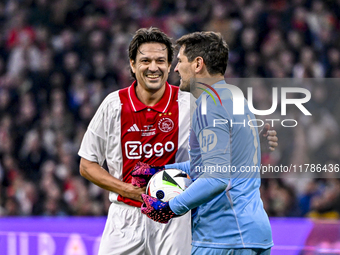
(148, 122)
(229, 217)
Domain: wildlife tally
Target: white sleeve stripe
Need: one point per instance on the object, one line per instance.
(168, 100)
(89, 129)
(131, 99)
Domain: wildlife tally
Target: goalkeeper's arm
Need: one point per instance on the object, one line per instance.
(184, 166)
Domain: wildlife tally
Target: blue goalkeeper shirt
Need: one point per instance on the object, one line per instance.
(225, 159)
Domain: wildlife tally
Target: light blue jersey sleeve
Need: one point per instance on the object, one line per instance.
(201, 191)
(184, 166)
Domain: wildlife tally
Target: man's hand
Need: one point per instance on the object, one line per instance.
(268, 136)
(142, 173)
(157, 210)
(133, 192)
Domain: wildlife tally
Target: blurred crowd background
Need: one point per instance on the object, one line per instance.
(60, 58)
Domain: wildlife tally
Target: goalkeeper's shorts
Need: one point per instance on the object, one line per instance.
(226, 251)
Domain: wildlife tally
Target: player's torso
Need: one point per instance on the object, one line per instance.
(150, 134)
(238, 211)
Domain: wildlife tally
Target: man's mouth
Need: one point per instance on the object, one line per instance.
(153, 76)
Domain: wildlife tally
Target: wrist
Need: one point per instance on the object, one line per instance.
(124, 189)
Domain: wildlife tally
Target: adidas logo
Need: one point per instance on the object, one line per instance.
(133, 128)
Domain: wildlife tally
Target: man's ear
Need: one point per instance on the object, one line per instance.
(199, 64)
(132, 65)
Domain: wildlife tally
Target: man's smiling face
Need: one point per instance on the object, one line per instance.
(151, 66)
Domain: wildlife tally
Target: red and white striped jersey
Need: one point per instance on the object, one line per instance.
(124, 131)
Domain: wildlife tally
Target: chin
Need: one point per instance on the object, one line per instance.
(155, 86)
(184, 87)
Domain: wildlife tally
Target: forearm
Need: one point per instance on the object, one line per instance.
(201, 191)
(184, 166)
(93, 172)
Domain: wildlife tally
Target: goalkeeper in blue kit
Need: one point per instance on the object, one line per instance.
(229, 217)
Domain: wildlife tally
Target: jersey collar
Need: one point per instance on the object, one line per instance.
(161, 106)
(199, 99)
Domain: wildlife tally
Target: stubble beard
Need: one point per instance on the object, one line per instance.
(188, 86)
(150, 86)
(184, 87)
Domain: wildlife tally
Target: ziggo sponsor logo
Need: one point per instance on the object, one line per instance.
(135, 149)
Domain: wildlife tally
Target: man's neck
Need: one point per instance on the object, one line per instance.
(149, 97)
(199, 83)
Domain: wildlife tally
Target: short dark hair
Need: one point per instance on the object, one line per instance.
(149, 35)
(208, 45)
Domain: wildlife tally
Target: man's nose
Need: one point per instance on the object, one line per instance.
(153, 66)
(176, 68)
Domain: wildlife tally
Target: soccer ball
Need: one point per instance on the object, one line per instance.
(167, 184)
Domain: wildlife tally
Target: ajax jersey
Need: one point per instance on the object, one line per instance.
(125, 131)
